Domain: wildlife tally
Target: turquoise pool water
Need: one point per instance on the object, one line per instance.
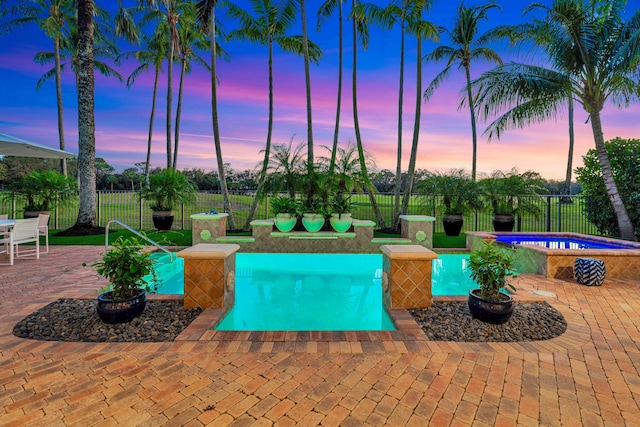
(314, 291)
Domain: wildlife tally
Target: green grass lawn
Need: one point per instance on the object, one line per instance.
(183, 238)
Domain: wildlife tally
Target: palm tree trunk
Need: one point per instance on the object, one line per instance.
(86, 117)
(56, 50)
(472, 112)
(336, 130)
(147, 166)
(567, 182)
(179, 111)
(624, 222)
(416, 133)
(356, 125)
(216, 124)
(267, 149)
(172, 43)
(307, 80)
(396, 198)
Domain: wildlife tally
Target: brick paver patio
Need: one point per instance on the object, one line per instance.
(588, 376)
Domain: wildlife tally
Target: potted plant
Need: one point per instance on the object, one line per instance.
(510, 194)
(125, 265)
(286, 211)
(166, 189)
(42, 190)
(315, 211)
(340, 209)
(491, 269)
(456, 194)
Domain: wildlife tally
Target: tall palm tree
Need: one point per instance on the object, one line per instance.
(421, 29)
(190, 38)
(54, 17)
(269, 26)
(153, 52)
(86, 118)
(207, 17)
(307, 81)
(597, 50)
(360, 29)
(401, 13)
(168, 11)
(467, 47)
(326, 9)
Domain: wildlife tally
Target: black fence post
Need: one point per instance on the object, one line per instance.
(548, 215)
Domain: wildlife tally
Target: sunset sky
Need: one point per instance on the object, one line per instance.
(122, 115)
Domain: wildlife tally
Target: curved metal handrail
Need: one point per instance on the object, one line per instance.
(137, 233)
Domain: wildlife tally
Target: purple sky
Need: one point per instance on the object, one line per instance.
(122, 115)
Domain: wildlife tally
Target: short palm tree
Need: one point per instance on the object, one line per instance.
(286, 167)
(468, 47)
(591, 44)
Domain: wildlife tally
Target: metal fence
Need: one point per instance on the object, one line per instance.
(558, 213)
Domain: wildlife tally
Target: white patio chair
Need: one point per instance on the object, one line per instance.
(43, 229)
(3, 228)
(24, 231)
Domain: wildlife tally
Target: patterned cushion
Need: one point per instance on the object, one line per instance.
(590, 271)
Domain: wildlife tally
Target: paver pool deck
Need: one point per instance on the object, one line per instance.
(588, 376)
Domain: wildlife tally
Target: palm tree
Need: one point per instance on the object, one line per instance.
(54, 17)
(190, 38)
(540, 93)
(270, 25)
(360, 29)
(593, 46)
(387, 17)
(326, 9)
(307, 80)
(421, 30)
(152, 53)
(207, 17)
(286, 167)
(467, 47)
(169, 13)
(86, 118)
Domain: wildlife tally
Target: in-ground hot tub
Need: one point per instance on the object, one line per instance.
(554, 254)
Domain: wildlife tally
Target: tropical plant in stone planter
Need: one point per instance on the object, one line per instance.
(125, 265)
(510, 194)
(43, 190)
(491, 268)
(315, 211)
(166, 189)
(286, 211)
(454, 194)
(340, 209)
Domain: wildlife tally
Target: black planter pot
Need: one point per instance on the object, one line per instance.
(162, 220)
(503, 222)
(452, 224)
(120, 311)
(490, 311)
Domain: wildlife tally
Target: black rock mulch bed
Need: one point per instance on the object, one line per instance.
(76, 320)
(452, 321)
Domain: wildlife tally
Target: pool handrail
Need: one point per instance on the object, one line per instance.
(137, 233)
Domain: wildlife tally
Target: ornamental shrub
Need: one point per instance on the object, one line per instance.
(624, 156)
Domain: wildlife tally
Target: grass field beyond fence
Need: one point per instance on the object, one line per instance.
(556, 214)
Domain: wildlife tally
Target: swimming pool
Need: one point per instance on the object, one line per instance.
(319, 291)
(554, 254)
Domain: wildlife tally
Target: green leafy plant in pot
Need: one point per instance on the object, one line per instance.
(491, 268)
(340, 209)
(454, 194)
(510, 194)
(125, 265)
(286, 211)
(43, 190)
(166, 189)
(315, 211)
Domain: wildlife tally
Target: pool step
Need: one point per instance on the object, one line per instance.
(235, 239)
(391, 241)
